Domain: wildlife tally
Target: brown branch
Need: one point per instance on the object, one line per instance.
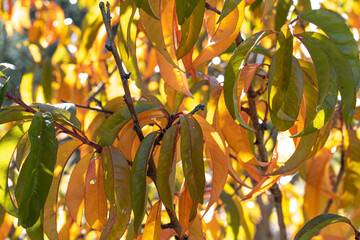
(259, 133)
(211, 8)
(124, 76)
(74, 134)
(152, 172)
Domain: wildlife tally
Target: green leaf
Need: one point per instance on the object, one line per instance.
(2, 214)
(138, 185)
(166, 167)
(145, 5)
(46, 80)
(344, 76)
(282, 11)
(316, 224)
(292, 95)
(11, 73)
(228, 7)
(334, 26)
(114, 123)
(39, 171)
(190, 29)
(285, 83)
(3, 89)
(236, 63)
(184, 8)
(327, 90)
(8, 144)
(117, 188)
(36, 231)
(192, 158)
(64, 112)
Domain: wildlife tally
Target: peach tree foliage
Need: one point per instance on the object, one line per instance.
(155, 154)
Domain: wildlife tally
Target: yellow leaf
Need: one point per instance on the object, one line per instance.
(153, 223)
(185, 208)
(50, 210)
(95, 199)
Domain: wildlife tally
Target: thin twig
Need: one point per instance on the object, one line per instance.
(211, 8)
(99, 87)
(90, 108)
(124, 76)
(75, 134)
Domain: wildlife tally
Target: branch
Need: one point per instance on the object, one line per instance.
(259, 133)
(124, 76)
(90, 108)
(75, 134)
(152, 172)
(211, 8)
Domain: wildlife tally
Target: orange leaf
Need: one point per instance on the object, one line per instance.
(167, 233)
(314, 180)
(51, 205)
(153, 223)
(185, 208)
(76, 189)
(95, 199)
(195, 230)
(217, 43)
(219, 159)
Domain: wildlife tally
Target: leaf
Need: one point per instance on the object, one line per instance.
(190, 29)
(40, 167)
(75, 193)
(12, 74)
(192, 158)
(233, 216)
(3, 88)
(95, 199)
(343, 72)
(166, 167)
(282, 11)
(117, 175)
(269, 5)
(153, 223)
(36, 231)
(187, 208)
(46, 80)
(326, 89)
(236, 63)
(351, 176)
(184, 9)
(218, 42)
(128, 23)
(51, 205)
(228, 7)
(138, 185)
(312, 227)
(335, 27)
(8, 144)
(152, 28)
(145, 5)
(219, 159)
(114, 123)
(64, 112)
(285, 83)
(14, 113)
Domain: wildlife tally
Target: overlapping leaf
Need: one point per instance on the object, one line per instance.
(8, 144)
(117, 188)
(138, 185)
(192, 158)
(40, 167)
(236, 63)
(114, 124)
(153, 223)
(51, 204)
